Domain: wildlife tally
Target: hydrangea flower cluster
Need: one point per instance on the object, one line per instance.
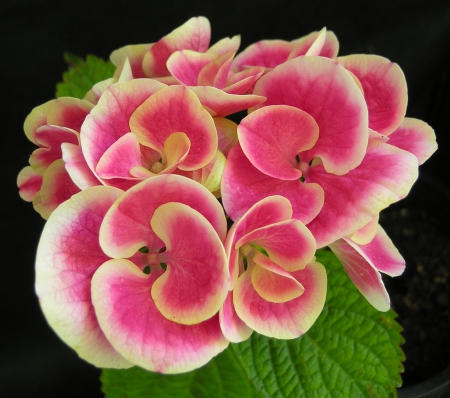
(136, 265)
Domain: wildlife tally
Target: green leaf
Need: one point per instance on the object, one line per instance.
(82, 75)
(352, 350)
(223, 377)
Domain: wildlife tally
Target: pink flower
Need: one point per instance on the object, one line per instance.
(310, 143)
(279, 290)
(142, 128)
(119, 307)
(54, 127)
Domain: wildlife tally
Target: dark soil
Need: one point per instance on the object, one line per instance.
(420, 228)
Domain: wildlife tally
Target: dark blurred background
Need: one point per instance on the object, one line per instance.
(34, 34)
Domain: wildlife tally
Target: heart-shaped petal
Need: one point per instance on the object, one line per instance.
(176, 109)
(138, 331)
(271, 138)
(126, 227)
(324, 89)
(195, 283)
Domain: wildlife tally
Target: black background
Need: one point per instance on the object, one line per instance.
(35, 34)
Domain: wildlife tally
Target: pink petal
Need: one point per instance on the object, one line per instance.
(109, 120)
(288, 243)
(266, 53)
(243, 82)
(120, 158)
(176, 109)
(272, 136)
(272, 282)
(317, 45)
(176, 148)
(36, 119)
(135, 54)
(221, 104)
(322, 88)
(381, 253)
(194, 35)
(366, 233)
(243, 185)
(227, 134)
(68, 112)
(287, 320)
(195, 283)
(186, 65)
(56, 188)
(270, 210)
(209, 176)
(225, 45)
(302, 45)
(76, 166)
(134, 326)
(233, 328)
(384, 88)
(29, 183)
(385, 176)
(50, 138)
(67, 257)
(415, 136)
(215, 73)
(126, 227)
(362, 262)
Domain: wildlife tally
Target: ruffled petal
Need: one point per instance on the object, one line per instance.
(138, 331)
(302, 45)
(221, 104)
(227, 134)
(29, 183)
(50, 138)
(120, 158)
(126, 227)
(324, 89)
(366, 233)
(243, 185)
(265, 53)
(186, 65)
(385, 176)
(57, 187)
(76, 166)
(195, 283)
(194, 34)
(109, 120)
(287, 320)
(135, 54)
(68, 112)
(360, 266)
(415, 136)
(288, 243)
(272, 282)
(384, 86)
(67, 257)
(176, 109)
(233, 328)
(272, 136)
